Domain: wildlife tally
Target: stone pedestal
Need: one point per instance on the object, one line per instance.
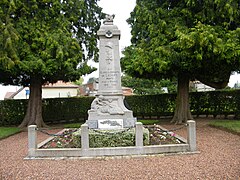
(108, 106)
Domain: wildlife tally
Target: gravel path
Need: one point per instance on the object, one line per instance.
(219, 158)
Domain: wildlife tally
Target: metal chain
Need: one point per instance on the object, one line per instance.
(49, 134)
(170, 130)
(110, 133)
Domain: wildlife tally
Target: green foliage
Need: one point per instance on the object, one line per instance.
(197, 38)
(147, 86)
(229, 125)
(62, 109)
(12, 112)
(79, 81)
(214, 103)
(51, 39)
(110, 138)
(152, 105)
(8, 131)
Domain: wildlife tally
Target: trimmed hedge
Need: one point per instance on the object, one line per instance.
(201, 103)
(152, 105)
(56, 110)
(68, 110)
(12, 112)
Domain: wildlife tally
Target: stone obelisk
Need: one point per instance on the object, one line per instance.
(107, 109)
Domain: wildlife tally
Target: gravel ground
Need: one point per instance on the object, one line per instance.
(219, 158)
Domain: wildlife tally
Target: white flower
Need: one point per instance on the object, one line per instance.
(162, 137)
(164, 133)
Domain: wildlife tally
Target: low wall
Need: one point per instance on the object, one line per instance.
(85, 151)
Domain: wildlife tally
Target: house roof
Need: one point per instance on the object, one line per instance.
(10, 95)
(60, 84)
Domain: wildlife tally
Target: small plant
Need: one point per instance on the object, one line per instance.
(158, 137)
(62, 141)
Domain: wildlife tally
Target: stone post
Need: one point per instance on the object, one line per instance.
(84, 138)
(191, 129)
(139, 134)
(32, 140)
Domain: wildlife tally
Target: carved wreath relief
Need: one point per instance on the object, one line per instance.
(106, 106)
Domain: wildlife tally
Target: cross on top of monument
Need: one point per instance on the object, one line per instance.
(108, 19)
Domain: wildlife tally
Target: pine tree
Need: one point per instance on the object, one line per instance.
(44, 41)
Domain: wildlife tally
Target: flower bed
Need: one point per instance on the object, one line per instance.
(157, 136)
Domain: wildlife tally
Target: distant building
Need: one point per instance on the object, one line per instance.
(91, 88)
(59, 89)
(237, 85)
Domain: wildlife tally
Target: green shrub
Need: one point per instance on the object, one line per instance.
(110, 138)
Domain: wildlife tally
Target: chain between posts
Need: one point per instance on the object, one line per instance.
(111, 133)
(50, 134)
(169, 130)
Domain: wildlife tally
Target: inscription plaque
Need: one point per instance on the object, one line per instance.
(110, 124)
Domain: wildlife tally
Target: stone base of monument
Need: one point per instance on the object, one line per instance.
(35, 152)
(110, 111)
(110, 138)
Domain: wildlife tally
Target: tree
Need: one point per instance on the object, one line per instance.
(187, 39)
(147, 86)
(44, 41)
(79, 81)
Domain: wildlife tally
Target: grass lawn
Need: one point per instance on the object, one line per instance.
(8, 131)
(232, 126)
(73, 125)
(149, 122)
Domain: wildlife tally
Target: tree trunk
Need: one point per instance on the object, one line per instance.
(34, 110)
(182, 112)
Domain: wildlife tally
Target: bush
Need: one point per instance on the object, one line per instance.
(110, 138)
